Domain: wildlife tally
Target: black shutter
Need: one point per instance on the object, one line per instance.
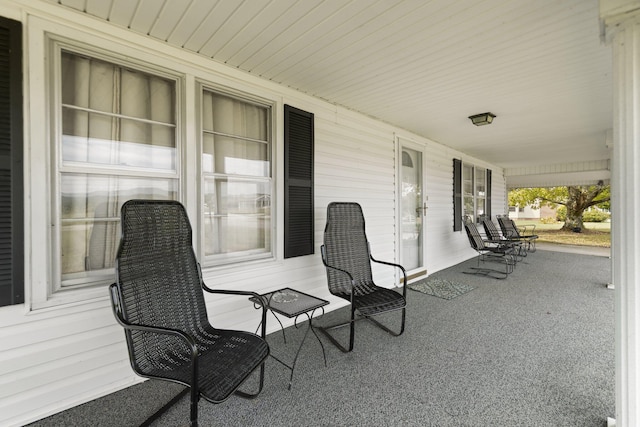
(298, 182)
(487, 208)
(457, 194)
(11, 190)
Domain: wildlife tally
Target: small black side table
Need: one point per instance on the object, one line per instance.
(292, 303)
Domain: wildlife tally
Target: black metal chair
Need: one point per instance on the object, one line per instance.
(493, 235)
(509, 228)
(347, 257)
(501, 253)
(158, 298)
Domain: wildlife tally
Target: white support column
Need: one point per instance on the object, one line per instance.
(621, 19)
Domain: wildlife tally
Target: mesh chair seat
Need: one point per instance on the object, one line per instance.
(347, 258)
(226, 359)
(376, 300)
(158, 297)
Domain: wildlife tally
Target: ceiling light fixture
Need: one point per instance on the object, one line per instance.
(482, 119)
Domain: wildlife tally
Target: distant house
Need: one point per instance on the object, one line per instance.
(530, 212)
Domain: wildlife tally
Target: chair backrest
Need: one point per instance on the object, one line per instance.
(158, 276)
(508, 227)
(475, 239)
(346, 246)
(490, 229)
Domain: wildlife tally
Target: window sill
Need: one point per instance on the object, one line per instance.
(72, 297)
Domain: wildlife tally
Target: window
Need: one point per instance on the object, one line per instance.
(472, 192)
(480, 192)
(468, 185)
(474, 187)
(117, 141)
(236, 168)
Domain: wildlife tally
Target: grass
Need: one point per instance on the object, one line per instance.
(594, 233)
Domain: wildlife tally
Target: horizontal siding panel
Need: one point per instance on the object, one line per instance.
(23, 335)
(51, 373)
(47, 351)
(53, 397)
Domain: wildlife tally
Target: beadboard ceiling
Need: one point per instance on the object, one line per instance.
(422, 65)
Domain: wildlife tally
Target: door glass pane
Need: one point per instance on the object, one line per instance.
(412, 215)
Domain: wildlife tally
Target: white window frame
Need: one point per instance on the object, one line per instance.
(233, 260)
(58, 285)
(474, 189)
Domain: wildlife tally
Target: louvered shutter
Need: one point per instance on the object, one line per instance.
(457, 194)
(298, 170)
(488, 198)
(11, 211)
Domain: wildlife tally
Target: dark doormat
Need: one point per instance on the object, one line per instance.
(440, 288)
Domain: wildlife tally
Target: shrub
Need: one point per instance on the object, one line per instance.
(548, 220)
(588, 216)
(595, 216)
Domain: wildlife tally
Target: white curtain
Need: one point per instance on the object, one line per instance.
(236, 164)
(113, 117)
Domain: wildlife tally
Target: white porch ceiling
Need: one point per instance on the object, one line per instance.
(424, 66)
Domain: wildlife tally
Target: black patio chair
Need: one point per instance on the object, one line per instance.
(526, 234)
(493, 235)
(347, 257)
(158, 298)
(488, 251)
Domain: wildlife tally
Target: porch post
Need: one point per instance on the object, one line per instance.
(621, 24)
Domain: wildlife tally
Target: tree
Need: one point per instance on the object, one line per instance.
(576, 199)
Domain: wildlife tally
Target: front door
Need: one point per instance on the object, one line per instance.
(413, 208)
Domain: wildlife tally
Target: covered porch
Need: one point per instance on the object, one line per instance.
(378, 77)
(535, 349)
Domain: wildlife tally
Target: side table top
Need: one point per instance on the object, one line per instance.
(289, 302)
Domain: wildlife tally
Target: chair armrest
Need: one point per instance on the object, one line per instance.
(230, 291)
(402, 269)
(525, 228)
(243, 293)
(341, 271)
(496, 241)
(117, 312)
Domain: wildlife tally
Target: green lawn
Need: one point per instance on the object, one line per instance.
(594, 234)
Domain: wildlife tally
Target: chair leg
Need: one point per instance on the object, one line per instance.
(253, 395)
(491, 272)
(385, 328)
(195, 395)
(351, 323)
(167, 405)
